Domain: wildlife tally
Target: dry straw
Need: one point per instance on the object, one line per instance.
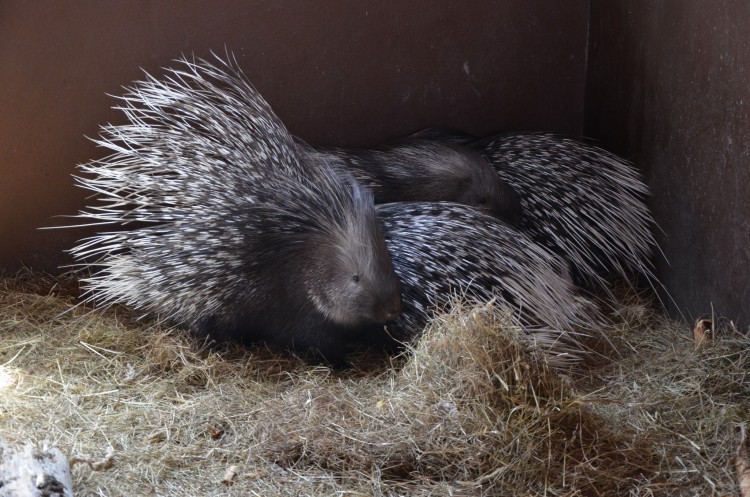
(471, 410)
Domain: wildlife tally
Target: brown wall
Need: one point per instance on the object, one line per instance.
(669, 85)
(344, 71)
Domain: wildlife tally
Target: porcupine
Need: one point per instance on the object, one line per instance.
(579, 200)
(231, 233)
(426, 170)
(440, 249)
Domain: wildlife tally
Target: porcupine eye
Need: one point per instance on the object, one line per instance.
(482, 200)
(355, 278)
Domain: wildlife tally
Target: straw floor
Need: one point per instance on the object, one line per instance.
(143, 410)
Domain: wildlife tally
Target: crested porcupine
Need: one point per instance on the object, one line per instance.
(228, 231)
(577, 199)
(426, 170)
(441, 249)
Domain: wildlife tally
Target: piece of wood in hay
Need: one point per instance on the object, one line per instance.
(33, 473)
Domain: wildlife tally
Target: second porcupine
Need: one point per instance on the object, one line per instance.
(582, 202)
(409, 170)
(441, 249)
(227, 230)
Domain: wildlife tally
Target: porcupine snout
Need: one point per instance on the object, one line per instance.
(388, 303)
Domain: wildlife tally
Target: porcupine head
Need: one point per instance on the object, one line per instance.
(480, 186)
(329, 278)
(459, 174)
(349, 274)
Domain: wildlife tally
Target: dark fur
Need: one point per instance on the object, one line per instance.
(444, 135)
(411, 170)
(305, 297)
(298, 276)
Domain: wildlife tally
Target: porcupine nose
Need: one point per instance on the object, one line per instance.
(391, 308)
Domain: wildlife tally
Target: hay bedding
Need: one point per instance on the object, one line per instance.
(471, 410)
